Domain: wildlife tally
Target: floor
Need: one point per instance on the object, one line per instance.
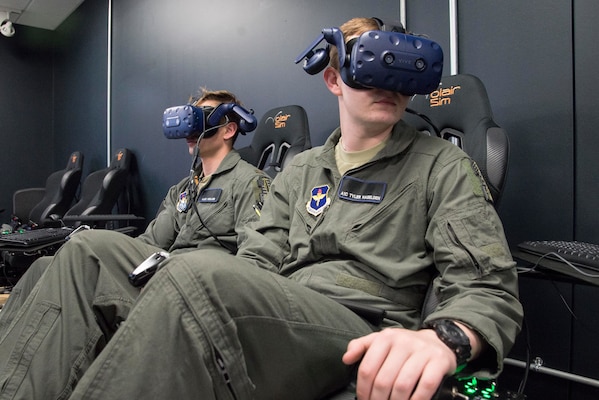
(3, 297)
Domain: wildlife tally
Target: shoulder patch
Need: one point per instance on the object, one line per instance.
(262, 189)
(477, 180)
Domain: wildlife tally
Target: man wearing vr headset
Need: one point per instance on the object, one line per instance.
(85, 293)
(365, 220)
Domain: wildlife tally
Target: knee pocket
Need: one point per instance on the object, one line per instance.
(30, 339)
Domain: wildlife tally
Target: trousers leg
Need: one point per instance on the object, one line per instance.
(75, 308)
(21, 291)
(213, 326)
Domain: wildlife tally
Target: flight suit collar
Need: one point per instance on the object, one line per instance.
(400, 141)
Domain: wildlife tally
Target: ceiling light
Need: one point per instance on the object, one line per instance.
(6, 27)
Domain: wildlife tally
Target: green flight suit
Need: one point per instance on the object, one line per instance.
(267, 325)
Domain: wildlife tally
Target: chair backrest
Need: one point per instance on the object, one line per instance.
(61, 188)
(461, 112)
(101, 189)
(282, 133)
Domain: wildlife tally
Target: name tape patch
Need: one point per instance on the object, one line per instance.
(353, 189)
(210, 196)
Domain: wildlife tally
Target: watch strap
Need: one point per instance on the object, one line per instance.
(453, 337)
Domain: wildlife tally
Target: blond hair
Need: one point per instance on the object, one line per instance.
(351, 29)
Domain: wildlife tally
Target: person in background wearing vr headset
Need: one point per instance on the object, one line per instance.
(331, 280)
(86, 293)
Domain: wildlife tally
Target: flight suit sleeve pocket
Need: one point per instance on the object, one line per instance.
(475, 244)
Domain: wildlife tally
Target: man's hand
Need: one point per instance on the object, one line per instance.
(400, 364)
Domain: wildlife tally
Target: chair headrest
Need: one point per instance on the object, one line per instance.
(121, 159)
(75, 160)
(281, 133)
(287, 124)
(460, 111)
(460, 102)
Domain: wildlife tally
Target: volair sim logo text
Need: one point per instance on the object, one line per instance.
(442, 96)
(280, 119)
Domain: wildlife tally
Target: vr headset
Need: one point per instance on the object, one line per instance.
(388, 59)
(180, 122)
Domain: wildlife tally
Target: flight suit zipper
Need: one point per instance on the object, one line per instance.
(224, 373)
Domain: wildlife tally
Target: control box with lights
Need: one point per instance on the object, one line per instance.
(473, 389)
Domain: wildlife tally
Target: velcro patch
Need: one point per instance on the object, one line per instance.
(477, 180)
(210, 196)
(353, 189)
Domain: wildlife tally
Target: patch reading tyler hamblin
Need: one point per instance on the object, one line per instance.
(319, 200)
(360, 191)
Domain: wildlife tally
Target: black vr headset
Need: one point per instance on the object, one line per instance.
(181, 122)
(388, 59)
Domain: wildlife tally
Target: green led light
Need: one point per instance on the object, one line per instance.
(488, 392)
(471, 387)
(484, 388)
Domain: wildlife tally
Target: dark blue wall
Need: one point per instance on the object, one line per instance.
(26, 129)
(80, 85)
(53, 91)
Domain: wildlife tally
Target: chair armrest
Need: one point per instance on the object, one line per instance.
(102, 217)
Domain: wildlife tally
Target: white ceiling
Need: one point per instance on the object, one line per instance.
(45, 14)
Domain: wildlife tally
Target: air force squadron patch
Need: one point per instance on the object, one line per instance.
(319, 200)
(183, 203)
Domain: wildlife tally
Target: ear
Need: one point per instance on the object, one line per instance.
(230, 130)
(332, 79)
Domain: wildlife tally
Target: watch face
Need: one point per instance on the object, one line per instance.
(454, 333)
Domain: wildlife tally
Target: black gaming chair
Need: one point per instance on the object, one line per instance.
(460, 111)
(100, 191)
(58, 194)
(282, 133)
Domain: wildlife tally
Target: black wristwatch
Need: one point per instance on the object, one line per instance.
(454, 337)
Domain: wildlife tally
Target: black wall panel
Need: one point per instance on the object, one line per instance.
(26, 133)
(526, 64)
(80, 89)
(586, 89)
(52, 99)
